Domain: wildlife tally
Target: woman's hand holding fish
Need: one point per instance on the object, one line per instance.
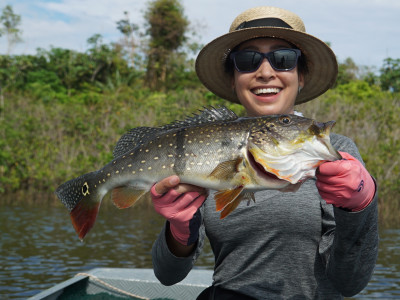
(345, 183)
(179, 204)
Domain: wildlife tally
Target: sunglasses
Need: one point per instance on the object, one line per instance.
(247, 61)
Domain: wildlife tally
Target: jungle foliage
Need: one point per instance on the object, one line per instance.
(62, 111)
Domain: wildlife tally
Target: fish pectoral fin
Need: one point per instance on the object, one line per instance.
(227, 169)
(125, 196)
(225, 200)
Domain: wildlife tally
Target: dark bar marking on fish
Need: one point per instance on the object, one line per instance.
(179, 163)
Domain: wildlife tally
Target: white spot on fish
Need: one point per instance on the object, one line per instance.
(155, 158)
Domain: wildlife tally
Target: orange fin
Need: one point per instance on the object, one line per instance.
(227, 169)
(223, 198)
(230, 207)
(124, 196)
(83, 217)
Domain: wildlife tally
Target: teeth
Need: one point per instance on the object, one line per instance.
(267, 91)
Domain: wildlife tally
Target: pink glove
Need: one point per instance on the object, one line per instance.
(345, 183)
(182, 212)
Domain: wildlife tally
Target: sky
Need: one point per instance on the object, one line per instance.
(368, 31)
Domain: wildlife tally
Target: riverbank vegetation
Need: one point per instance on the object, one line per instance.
(62, 111)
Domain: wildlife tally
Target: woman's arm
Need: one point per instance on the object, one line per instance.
(175, 247)
(349, 245)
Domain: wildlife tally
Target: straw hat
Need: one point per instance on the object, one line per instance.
(267, 21)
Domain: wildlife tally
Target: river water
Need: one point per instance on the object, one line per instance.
(39, 248)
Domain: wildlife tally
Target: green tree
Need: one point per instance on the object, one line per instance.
(166, 26)
(10, 22)
(128, 29)
(390, 75)
(348, 71)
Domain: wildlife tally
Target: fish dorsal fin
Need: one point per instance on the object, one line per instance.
(140, 135)
(205, 116)
(134, 138)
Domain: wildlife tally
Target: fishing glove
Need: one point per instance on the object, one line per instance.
(345, 183)
(182, 212)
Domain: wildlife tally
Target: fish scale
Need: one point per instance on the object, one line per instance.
(215, 150)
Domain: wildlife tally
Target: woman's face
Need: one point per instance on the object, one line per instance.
(266, 91)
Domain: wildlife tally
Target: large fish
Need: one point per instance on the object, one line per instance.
(215, 150)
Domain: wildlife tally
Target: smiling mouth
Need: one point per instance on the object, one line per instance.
(266, 91)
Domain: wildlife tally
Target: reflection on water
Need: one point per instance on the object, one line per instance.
(39, 248)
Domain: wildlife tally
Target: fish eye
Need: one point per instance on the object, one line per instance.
(285, 120)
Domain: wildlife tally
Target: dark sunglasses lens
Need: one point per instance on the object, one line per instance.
(283, 59)
(247, 61)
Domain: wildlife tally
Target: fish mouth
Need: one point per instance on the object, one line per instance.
(322, 131)
(260, 170)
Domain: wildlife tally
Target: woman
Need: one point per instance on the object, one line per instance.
(317, 243)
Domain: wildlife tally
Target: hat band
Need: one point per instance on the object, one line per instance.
(265, 22)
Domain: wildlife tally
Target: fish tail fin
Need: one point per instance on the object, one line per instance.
(82, 199)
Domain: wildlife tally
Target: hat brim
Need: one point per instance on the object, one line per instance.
(321, 61)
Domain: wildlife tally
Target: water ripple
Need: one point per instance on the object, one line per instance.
(39, 248)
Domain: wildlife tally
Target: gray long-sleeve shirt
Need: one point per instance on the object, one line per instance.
(284, 246)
